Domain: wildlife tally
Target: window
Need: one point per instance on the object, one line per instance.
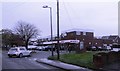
(81, 45)
(71, 34)
(89, 42)
(84, 33)
(14, 49)
(22, 49)
(49, 39)
(104, 44)
(78, 33)
(110, 44)
(64, 34)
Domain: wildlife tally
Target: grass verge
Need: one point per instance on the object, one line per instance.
(83, 59)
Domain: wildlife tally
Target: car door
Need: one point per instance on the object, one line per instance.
(26, 51)
(23, 51)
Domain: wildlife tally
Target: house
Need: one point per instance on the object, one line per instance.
(114, 38)
(103, 44)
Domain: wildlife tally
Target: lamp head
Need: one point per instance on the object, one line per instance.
(45, 6)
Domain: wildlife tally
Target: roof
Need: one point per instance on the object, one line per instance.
(79, 30)
(105, 37)
(32, 46)
(62, 41)
(111, 37)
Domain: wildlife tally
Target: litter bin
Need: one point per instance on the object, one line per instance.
(97, 60)
(100, 59)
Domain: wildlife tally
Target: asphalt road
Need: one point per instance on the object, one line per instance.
(26, 62)
(0, 59)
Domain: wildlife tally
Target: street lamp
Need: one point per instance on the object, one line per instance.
(58, 46)
(51, 25)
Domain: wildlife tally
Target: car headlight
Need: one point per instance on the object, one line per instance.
(8, 53)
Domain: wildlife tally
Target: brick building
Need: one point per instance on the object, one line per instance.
(85, 38)
(89, 40)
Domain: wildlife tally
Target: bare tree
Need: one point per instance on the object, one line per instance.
(26, 31)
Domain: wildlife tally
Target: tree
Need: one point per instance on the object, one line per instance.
(6, 37)
(26, 31)
(9, 39)
(17, 40)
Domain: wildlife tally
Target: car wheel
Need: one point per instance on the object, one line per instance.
(21, 55)
(9, 56)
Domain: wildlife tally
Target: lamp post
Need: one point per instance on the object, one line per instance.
(58, 46)
(50, 25)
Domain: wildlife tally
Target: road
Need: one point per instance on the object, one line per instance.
(0, 59)
(27, 62)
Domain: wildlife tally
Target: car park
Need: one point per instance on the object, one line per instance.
(19, 52)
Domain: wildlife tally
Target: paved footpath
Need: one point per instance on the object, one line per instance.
(0, 59)
(115, 66)
(62, 65)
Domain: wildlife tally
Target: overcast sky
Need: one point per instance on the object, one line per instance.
(99, 17)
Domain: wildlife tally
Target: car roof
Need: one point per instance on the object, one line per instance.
(17, 47)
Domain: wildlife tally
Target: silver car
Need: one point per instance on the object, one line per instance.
(19, 52)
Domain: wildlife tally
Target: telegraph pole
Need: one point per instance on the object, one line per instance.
(58, 46)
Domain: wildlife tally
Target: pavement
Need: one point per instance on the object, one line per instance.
(114, 66)
(0, 59)
(62, 65)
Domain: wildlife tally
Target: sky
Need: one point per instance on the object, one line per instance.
(98, 16)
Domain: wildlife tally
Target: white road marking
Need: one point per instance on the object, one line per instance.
(26, 57)
(30, 59)
(35, 59)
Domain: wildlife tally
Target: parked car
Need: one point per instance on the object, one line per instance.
(99, 48)
(45, 48)
(40, 48)
(94, 48)
(19, 52)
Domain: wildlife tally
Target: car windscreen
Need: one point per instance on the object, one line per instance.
(13, 49)
(22, 48)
